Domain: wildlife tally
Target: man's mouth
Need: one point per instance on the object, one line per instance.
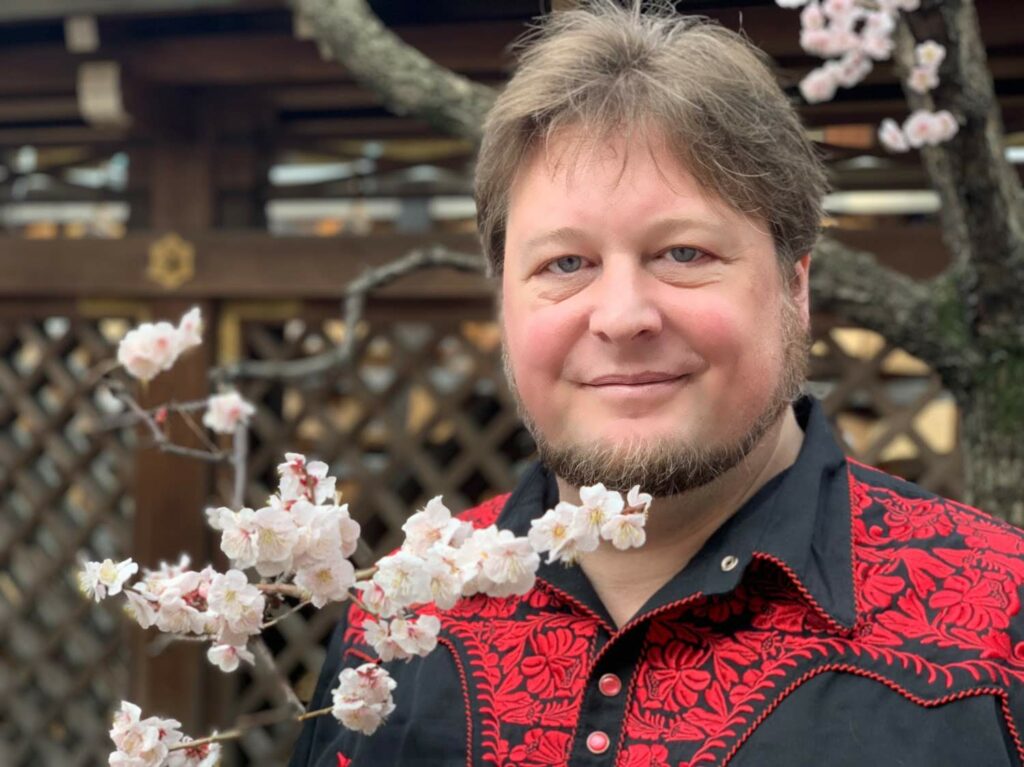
(646, 378)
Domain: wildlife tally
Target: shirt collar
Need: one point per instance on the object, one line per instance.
(800, 520)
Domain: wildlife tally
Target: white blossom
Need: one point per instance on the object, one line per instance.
(509, 567)
(276, 537)
(239, 536)
(98, 580)
(237, 602)
(930, 54)
(552, 533)
(819, 85)
(922, 79)
(598, 506)
(416, 636)
(153, 347)
(190, 329)
(877, 46)
(362, 699)
(440, 565)
(302, 479)
(224, 412)
(431, 525)
(891, 136)
(376, 599)
(327, 581)
(141, 742)
(149, 349)
(140, 608)
(403, 579)
(637, 500)
(625, 531)
(226, 657)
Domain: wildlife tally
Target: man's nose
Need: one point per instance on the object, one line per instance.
(624, 304)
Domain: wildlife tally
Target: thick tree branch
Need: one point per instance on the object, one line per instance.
(920, 317)
(409, 82)
(984, 220)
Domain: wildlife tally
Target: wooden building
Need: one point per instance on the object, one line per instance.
(159, 154)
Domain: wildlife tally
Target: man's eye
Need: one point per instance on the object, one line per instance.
(565, 265)
(684, 255)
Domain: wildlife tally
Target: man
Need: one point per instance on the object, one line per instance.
(648, 200)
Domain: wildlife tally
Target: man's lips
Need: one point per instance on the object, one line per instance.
(634, 379)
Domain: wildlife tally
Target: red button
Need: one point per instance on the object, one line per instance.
(610, 685)
(598, 742)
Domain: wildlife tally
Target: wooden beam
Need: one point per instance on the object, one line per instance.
(256, 265)
(37, 10)
(235, 265)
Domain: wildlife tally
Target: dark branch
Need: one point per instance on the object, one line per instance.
(409, 82)
(310, 369)
(919, 317)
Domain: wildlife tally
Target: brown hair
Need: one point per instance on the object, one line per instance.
(609, 69)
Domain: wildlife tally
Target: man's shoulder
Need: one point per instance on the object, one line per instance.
(486, 513)
(890, 508)
(916, 547)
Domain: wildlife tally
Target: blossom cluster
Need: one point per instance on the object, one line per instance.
(154, 347)
(148, 742)
(922, 128)
(301, 535)
(852, 36)
(567, 530)
(302, 540)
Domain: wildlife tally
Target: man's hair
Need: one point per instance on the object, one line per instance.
(609, 70)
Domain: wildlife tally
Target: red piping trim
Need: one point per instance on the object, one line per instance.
(846, 668)
(859, 613)
(465, 693)
(836, 625)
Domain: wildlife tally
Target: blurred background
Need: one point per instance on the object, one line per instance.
(160, 154)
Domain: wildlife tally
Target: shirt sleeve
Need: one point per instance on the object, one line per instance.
(315, 736)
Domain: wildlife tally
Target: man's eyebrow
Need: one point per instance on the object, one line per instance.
(558, 236)
(662, 227)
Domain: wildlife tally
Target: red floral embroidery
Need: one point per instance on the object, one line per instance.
(343, 761)
(540, 748)
(936, 586)
(644, 755)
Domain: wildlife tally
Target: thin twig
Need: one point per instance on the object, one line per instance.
(237, 732)
(266, 658)
(282, 616)
(310, 369)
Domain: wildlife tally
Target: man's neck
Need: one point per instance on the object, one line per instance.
(679, 526)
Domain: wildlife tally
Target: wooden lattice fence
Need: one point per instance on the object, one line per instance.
(423, 412)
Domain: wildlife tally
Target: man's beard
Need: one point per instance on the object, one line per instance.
(670, 467)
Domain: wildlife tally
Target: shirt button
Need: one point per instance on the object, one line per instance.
(597, 742)
(609, 685)
(729, 563)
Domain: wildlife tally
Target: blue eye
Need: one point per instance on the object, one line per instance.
(684, 255)
(565, 264)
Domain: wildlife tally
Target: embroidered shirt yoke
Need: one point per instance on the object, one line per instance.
(841, 617)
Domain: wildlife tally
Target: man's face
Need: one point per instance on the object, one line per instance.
(648, 333)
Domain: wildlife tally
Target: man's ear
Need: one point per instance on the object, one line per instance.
(800, 287)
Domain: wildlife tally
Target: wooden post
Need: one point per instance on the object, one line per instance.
(172, 491)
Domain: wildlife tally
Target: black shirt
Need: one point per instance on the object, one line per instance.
(841, 617)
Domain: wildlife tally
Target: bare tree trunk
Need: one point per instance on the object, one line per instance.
(992, 438)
